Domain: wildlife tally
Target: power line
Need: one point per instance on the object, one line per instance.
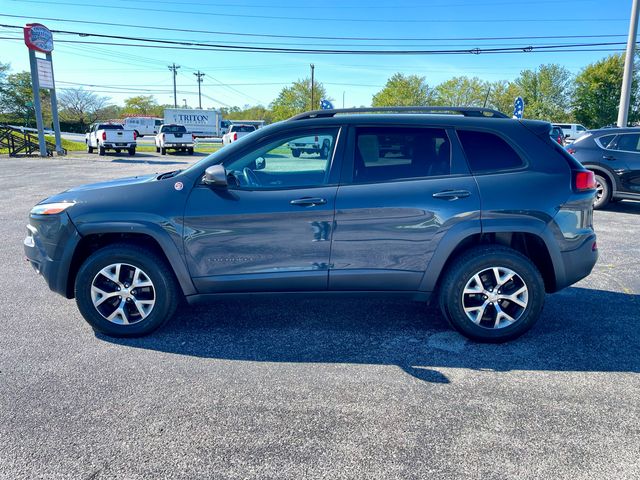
(175, 45)
(337, 19)
(308, 37)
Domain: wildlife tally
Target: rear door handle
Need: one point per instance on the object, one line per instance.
(608, 157)
(308, 202)
(451, 194)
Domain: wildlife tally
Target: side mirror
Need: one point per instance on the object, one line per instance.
(215, 175)
(261, 163)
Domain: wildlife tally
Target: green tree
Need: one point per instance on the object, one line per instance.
(404, 90)
(597, 93)
(546, 92)
(257, 112)
(16, 100)
(296, 99)
(461, 91)
(80, 106)
(502, 96)
(142, 105)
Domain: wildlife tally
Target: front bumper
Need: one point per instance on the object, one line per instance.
(49, 246)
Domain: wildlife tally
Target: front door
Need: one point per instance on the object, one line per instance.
(270, 229)
(623, 155)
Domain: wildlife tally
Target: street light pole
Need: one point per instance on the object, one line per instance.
(199, 75)
(312, 99)
(174, 68)
(625, 91)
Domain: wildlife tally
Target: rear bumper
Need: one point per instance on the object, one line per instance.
(577, 263)
(119, 145)
(49, 246)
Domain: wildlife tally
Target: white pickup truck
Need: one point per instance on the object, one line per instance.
(110, 136)
(235, 132)
(319, 145)
(174, 137)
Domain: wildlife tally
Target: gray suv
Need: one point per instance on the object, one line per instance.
(477, 211)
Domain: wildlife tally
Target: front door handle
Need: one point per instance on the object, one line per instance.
(451, 194)
(608, 157)
(308, 202)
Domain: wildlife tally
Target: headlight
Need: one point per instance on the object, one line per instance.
(51, 208)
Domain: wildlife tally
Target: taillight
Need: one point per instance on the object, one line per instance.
(235, 136)
(559, 140)
(104, 135)
(135, 135)
(571, 150)
(193, 137)
(584, 180)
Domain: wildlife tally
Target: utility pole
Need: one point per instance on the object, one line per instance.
(174, 68)
(312, 99)
(199, 75)
(625, 91)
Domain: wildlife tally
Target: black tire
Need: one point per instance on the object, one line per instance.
(603, 192)
(101, 150)
(295, 153)
(157, 149)
(118, 150)
(89, 148)
(190, 151)
(164, 286)
(480, 260)
(132, 152)
(163, 151)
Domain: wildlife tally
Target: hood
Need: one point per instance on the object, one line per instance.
(113, 183)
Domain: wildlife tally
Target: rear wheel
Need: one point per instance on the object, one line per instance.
(492, 294)
(295, 153)
(190, 151)
(163, 151)
(101, 150)
(125, 291)
(132, 152)
(603, 192)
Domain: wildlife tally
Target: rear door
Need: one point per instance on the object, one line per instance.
(402, 190)
(623, 156)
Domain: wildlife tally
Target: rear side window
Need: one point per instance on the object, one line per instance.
(487, 152)
(605, 140)
(627, 142)
(387, 154)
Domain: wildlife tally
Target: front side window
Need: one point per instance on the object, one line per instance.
(293, 161)
(487, 152)
(387, 154)
(629, 142)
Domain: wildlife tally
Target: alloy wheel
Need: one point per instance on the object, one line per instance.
(495, 297)
(123, 294)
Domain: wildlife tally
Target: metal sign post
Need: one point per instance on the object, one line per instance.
(38, 38)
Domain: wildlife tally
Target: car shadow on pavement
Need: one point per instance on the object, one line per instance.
(580, 330)
(624, 206)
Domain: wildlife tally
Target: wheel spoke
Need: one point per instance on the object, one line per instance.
(475, 285)
(519, 297)
(119, 313)
(140, 279)
(500, 315)
(476, 313)
(112, 272)
(501, 280)
(99, 296)
(144, 306)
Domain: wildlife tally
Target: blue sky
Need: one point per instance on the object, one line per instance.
(242, 78)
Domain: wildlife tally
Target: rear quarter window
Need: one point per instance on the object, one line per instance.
(487, 152)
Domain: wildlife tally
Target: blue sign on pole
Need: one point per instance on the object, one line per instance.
(518, 107)
(325, 105)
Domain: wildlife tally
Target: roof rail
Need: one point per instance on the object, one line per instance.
(465, 111)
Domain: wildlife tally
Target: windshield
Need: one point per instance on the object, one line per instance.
(174, 129)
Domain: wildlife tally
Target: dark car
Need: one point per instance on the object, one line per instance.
(453, 214)
(613, 154)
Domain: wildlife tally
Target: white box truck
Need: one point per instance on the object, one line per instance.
(202, 123)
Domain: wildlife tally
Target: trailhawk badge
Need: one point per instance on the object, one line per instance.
(178, 186)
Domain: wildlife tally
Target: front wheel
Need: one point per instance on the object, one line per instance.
(492, 294)
(89, 148)
(125, 291)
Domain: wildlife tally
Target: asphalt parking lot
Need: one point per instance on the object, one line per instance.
(336, 389)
